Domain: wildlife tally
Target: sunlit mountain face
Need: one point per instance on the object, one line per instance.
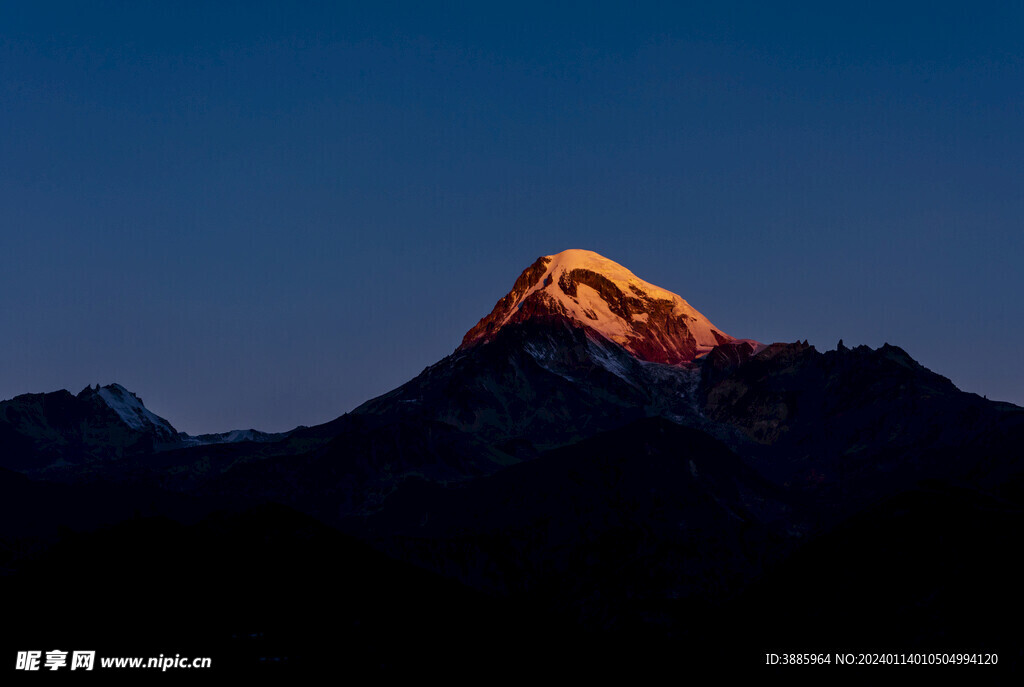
(588, 290)
(597, 470)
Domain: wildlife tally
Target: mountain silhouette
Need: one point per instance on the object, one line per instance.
(595, 467)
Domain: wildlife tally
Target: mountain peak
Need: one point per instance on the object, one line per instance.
(131, 410)
(586, 289)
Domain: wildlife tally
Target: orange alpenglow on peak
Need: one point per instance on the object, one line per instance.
(588, 290)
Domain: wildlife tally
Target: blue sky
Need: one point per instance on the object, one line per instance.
(262, 214)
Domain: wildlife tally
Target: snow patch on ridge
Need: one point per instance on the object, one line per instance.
(238, 435)
(608, 361)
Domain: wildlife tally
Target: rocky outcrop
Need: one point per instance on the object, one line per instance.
(486, 328)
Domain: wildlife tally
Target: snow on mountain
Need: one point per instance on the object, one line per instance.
(136, 416)
(589, 290)
(133, 413)
(232, 437)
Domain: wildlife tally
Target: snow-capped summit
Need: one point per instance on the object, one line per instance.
(589, 290)
(132, 412)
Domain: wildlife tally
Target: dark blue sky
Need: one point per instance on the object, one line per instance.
(262, 214)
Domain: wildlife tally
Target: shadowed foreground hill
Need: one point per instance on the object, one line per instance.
(260, 590)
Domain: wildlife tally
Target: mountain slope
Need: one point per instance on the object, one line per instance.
(649, 510)
(856, 425)
(130, 408)
(542, 382)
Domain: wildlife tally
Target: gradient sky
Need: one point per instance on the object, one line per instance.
(260, 215)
